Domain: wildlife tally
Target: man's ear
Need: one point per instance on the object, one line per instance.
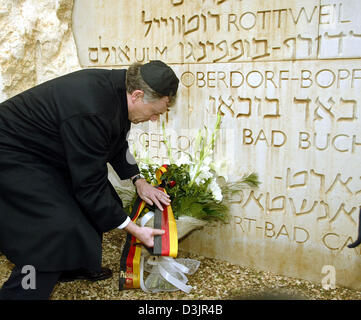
(137, 94)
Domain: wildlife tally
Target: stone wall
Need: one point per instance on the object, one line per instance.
(37, 43)
(286, 76)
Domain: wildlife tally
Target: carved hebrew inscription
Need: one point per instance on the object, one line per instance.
(285, 76)
(218, 31)
(308, 111)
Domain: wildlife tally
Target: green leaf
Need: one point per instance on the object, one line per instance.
(251, 180)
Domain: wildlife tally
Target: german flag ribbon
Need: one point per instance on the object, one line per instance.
(130, 258)
(164, 245)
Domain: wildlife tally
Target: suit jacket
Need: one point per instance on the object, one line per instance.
(55, 142)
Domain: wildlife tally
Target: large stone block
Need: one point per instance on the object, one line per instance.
(286, 77)
(37, 43)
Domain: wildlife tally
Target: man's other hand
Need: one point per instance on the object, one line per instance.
(151, 195)
(144, 234)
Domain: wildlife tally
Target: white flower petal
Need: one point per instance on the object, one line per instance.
(184, 159)
(216, 190)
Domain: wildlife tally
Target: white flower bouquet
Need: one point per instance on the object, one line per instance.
(197, 196)
(199, 193)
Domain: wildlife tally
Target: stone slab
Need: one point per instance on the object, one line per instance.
(286, 77)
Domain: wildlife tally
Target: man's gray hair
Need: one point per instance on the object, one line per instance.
(134, 81)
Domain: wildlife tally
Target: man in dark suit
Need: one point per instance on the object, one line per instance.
(55, 197)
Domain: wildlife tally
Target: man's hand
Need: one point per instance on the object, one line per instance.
(143, 234)
(151, 195)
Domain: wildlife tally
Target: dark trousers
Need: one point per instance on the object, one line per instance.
(13, 288)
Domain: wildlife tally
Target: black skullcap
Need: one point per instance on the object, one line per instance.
(160, 77)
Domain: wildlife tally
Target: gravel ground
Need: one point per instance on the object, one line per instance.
(214, 279)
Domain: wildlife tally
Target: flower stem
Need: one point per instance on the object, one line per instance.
(206, 150)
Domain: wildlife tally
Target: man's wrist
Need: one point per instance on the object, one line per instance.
(140, 181)
(136, 178)
(132, 228)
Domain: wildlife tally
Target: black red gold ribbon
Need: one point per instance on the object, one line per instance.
(164, 245)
